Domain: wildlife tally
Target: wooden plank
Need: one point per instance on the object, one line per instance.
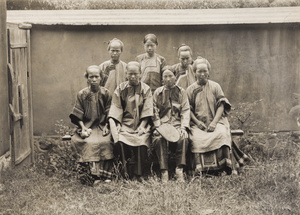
(157, 17)
(29, 88)
(17, 135)
(18, 45)
(24, 155)
(20, 135)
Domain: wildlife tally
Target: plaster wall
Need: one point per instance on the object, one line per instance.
(250, 62)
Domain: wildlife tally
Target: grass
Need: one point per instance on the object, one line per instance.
(144, 4)
(268, 185)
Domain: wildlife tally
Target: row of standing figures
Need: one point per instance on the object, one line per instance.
(130, 110)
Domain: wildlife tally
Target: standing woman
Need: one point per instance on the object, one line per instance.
(183, 70)
(113, 69)
(210, 131)
(152, 64)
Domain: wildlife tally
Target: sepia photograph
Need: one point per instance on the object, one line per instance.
(150, 107)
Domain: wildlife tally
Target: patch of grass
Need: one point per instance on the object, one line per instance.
(144, 4)
(268, 185)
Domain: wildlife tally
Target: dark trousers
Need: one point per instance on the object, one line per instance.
(161, 149)
(132, 158)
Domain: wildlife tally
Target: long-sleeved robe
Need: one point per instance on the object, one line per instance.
(204, 101)
(171, 106)
(151, 70)
(92, 109)
(184, 76)
(211, 149)
(130, 105)
(114, 77)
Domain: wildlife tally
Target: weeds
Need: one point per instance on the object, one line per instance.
(143, 4)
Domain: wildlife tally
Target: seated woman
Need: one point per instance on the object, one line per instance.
(113, 69)
(183, 70)
(152, 64)
(131, 108)
(92, 140)
(171, 106)
(210, 132)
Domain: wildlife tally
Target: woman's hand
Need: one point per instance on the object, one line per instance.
(183, 133)
(118, 125)
(109, 68)
(141, 130)
(201, 125)
(106, 131)
(85, 132)
(211, 127)
(155, 133)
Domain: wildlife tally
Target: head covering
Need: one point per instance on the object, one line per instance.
(151, 37)
(201, 60)
(183, 47)
(134, 63)
(115, 40)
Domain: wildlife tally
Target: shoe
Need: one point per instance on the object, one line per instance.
(138, 178)
(96, 182)
(198, 169)
(164, 176)
(179, 174)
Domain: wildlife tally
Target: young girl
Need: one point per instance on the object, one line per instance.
(152, 64)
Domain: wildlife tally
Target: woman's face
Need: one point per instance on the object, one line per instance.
(115, 51)
(94, 78)
(133, 75)
(150, 48)
(169, 79)
(184, 58)
(202, 73)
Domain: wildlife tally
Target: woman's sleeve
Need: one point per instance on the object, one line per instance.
(221, 99)
(108, 102)
(185, 110)
(116, 110)
(147, 110)
(78, 110)
(163, 64)
(156, 118)
(189, 93)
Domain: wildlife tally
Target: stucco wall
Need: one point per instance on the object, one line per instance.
(250, 62)
(4, 127)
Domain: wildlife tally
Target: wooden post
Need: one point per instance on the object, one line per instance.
(4, 116)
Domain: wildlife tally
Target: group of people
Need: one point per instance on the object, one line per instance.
(146, 105)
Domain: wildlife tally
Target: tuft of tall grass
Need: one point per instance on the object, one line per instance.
(143, 4)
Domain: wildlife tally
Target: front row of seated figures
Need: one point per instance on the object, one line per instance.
(124, 127)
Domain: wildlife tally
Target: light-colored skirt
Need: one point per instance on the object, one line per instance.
(203, 141)
(133, 139)
(96, 147)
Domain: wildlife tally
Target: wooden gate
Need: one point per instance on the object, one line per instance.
(20, 99)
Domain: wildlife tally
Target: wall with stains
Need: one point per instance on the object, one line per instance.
(251, 62)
